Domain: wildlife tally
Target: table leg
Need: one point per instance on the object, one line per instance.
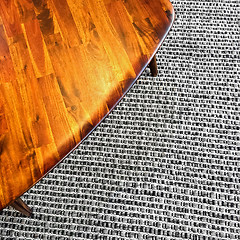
(153, 66)
(22, 207)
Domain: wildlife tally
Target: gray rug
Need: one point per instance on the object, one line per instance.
(166, 163)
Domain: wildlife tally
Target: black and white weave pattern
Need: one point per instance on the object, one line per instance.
(166, 163)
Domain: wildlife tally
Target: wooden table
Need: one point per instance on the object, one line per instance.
(64, 65)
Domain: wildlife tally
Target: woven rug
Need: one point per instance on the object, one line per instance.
(166, 163)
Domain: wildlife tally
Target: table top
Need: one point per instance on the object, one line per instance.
(64, 65)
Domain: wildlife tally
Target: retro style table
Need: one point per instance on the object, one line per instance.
(64, 65)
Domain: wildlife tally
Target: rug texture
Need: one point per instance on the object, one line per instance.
(166, 163)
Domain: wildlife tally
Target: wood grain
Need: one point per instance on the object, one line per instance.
(64, 64)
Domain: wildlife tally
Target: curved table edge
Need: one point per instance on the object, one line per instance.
(119, 100)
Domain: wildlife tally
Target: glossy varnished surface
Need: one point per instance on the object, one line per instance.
(64, 64)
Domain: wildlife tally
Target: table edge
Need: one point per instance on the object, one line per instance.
(119, 100)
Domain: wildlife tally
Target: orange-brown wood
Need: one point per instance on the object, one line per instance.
(64, 64)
